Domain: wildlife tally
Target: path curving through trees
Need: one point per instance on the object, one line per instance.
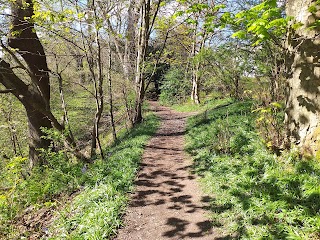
(167, 202)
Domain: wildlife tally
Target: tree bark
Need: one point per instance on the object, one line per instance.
(36, 118)
(143, 39)
(195, 84)
(303, 64)
(130, 46)
(197, 47)
(194, 91)
(24, 38)
(37, 121)
(113, 127)
(97, 84)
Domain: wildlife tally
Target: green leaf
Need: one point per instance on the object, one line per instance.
(279, 23)
(315, 25)
(240, 34)
(313, 9)
(271, 13)
(163, 3)
(218, 7)
(81, 15)
(258, 7)
(271, 3)
(226, 17)
(297, 25)
(276, 104)
(191, 21)
(240, 14)
(179, 13)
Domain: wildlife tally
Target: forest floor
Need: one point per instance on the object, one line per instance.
(167, 202)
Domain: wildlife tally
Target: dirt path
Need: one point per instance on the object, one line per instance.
(167, 203)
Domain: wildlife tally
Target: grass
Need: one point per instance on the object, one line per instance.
(99, 190)
(96, 212)
(78, 102)
(205, 105)
(13, 122)
(255, 194)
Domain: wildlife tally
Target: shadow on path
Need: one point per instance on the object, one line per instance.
(167, 202)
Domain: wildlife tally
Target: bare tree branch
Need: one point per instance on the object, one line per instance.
(7, 90)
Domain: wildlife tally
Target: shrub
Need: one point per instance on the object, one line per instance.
(175, 88)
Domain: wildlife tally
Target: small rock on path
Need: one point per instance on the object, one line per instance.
(167, 202)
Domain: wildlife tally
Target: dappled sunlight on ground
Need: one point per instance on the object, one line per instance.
(167, 203)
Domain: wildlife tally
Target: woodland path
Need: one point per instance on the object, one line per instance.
(167, 202)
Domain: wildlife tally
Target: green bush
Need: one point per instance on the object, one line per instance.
(175, 88)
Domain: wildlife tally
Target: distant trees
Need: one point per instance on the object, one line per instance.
(141, 16)
(194, 24)
(89, 36)
(281, 47)
(202, 17)
(113, 50)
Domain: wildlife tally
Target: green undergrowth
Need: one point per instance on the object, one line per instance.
(78, 102)
(96, 212)
(98, 191)
(254, 193)
(203, 106)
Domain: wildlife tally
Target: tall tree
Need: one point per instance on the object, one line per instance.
(25, 40)
(202, 16)
(142, 44)
(34, 95)
(303, 101)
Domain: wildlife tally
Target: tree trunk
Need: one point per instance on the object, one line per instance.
(30, 47)
(128, 108)
(303, 99)
(65, 123)
(36, 121)
(139, 102)
(195, 85)
(80, 68)
(130, 46)
(113, 127)
(31, 50)
(34, 96)
(197, 47)
(236, 81)
(143, 40)
(194, 66)
(98, 87)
